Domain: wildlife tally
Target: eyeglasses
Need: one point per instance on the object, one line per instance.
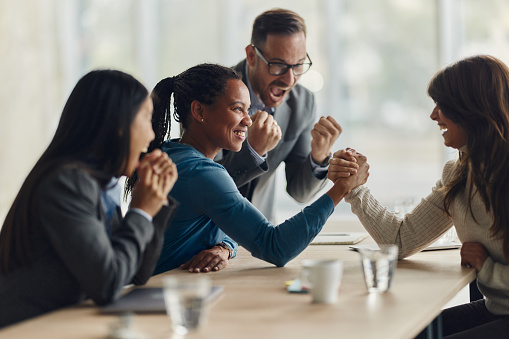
(280, 68)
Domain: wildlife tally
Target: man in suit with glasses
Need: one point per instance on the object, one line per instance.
(284, 125)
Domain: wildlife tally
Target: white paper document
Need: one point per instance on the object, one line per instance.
(339, 238)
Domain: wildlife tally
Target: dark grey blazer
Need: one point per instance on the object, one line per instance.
(296, 117)
(74, 256)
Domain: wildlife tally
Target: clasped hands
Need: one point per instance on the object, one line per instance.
(348, 168)
(156, 176)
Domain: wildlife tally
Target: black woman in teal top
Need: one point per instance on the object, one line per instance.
(211, 102)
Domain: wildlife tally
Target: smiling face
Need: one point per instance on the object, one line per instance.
(141, 135)
(289, 49)
(454, 135)
(226, 121)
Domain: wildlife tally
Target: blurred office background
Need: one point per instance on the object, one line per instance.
(372, 60)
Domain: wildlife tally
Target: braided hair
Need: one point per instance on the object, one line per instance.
(204, 83)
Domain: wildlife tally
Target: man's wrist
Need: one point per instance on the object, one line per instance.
(323, 163)
(258, 159)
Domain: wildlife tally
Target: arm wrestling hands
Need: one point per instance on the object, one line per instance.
(347, 170)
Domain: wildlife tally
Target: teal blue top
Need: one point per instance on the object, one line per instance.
(212, 210)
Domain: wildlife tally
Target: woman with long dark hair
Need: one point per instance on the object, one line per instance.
(63, 239)
(472, 109)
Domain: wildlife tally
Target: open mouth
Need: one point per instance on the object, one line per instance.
(443, 128)
(277, 92)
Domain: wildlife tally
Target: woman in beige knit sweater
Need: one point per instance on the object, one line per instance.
(472, 110)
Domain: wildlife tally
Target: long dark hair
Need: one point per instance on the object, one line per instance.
(204, 83)
(474, 94)
(94, 134)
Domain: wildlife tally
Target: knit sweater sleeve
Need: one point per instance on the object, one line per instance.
(412, 233)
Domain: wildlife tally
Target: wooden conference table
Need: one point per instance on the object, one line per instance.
(255, 303)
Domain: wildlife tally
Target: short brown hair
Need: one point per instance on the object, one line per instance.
(276, 21)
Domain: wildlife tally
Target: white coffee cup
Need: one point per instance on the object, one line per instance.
(323, 277)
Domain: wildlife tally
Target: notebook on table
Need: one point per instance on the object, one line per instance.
(147, 300)
(339, 238)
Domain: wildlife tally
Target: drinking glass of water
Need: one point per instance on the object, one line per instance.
(379, 266)
(185, 298)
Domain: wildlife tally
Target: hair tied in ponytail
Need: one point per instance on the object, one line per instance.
(165, 86)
